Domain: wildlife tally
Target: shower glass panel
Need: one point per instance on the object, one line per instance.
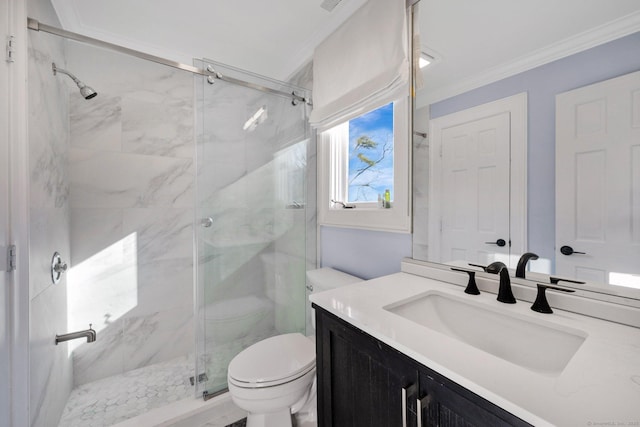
(250, 218)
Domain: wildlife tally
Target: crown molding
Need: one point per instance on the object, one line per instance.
(610, 31)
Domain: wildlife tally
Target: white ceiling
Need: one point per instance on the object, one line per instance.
(273, 38)
(479, 42)
(475, 41)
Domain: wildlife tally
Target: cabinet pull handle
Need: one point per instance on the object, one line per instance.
(421, 404)
(406, 392)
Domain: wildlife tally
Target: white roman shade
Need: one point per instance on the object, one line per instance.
(362, 65)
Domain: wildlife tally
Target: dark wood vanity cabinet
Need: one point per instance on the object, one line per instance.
(363, 382)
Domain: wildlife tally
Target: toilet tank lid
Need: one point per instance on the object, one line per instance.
(273, 359)
(328, 278)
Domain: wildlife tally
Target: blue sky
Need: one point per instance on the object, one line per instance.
(378, 126)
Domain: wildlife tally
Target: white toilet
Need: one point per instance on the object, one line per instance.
(275, 377)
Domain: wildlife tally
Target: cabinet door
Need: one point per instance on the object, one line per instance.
(447, 404)
(360, 379)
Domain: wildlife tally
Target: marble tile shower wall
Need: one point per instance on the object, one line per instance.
(131, 173)
(50, 379)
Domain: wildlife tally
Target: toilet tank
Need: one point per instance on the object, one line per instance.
(324, 279)
(327, 278)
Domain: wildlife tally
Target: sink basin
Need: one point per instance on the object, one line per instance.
(539, 346)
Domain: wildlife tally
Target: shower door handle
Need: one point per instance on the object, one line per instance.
(206, 222)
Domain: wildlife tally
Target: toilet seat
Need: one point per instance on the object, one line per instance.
(273, 361)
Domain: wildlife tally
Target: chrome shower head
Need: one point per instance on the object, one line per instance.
(85, 91)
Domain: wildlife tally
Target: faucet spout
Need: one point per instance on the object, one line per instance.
(493, 268)
(90, 334)
(505, 294)
(522, 263)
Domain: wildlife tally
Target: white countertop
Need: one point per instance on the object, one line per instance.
(599, 386)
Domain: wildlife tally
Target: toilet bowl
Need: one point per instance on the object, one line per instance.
(275, 377)
(270, 377)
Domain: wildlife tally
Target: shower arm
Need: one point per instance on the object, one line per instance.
(74, 78)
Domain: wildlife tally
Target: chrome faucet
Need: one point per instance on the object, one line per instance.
(90, 334)
(522, 263)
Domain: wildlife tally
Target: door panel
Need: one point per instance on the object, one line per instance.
(360, 380)
(475, 184)
(598, 181)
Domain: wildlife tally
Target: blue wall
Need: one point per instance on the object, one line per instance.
(366, 254)
(370, 254)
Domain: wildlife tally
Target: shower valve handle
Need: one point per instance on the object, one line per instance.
(60, 267)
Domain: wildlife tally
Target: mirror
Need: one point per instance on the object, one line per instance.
(482, 52)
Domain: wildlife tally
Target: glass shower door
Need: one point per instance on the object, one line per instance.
(250, 218)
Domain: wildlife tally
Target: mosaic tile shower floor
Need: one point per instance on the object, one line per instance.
(111, 400)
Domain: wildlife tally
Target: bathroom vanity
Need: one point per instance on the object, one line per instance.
(364, 382)
(410, 350)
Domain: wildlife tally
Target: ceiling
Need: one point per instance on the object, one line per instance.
(474, 42)
(479, 42)
(273, 38)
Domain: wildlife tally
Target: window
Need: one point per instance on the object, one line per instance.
(360, 160)
(370, 151)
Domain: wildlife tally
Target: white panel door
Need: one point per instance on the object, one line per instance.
(598, 181)
(474, 200)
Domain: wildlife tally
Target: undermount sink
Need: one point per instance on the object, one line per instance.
(536, 345)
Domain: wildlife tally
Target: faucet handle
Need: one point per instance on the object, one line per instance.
(471, 288)
(555, 280)
(541, 305)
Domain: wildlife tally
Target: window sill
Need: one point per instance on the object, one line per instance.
(393, 219)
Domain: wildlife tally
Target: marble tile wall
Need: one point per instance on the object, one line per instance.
(50, 379)
(131, 173)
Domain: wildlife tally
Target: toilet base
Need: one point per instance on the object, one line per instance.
(273, 419)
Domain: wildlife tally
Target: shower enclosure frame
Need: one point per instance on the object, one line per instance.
(278, 129)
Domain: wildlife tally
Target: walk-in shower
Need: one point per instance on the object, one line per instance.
(122, 187)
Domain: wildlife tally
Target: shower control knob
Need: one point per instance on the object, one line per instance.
(59, 268)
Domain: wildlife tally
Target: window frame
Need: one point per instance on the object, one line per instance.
(332, 176)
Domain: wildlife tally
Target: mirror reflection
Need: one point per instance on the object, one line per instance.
(533, 119)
